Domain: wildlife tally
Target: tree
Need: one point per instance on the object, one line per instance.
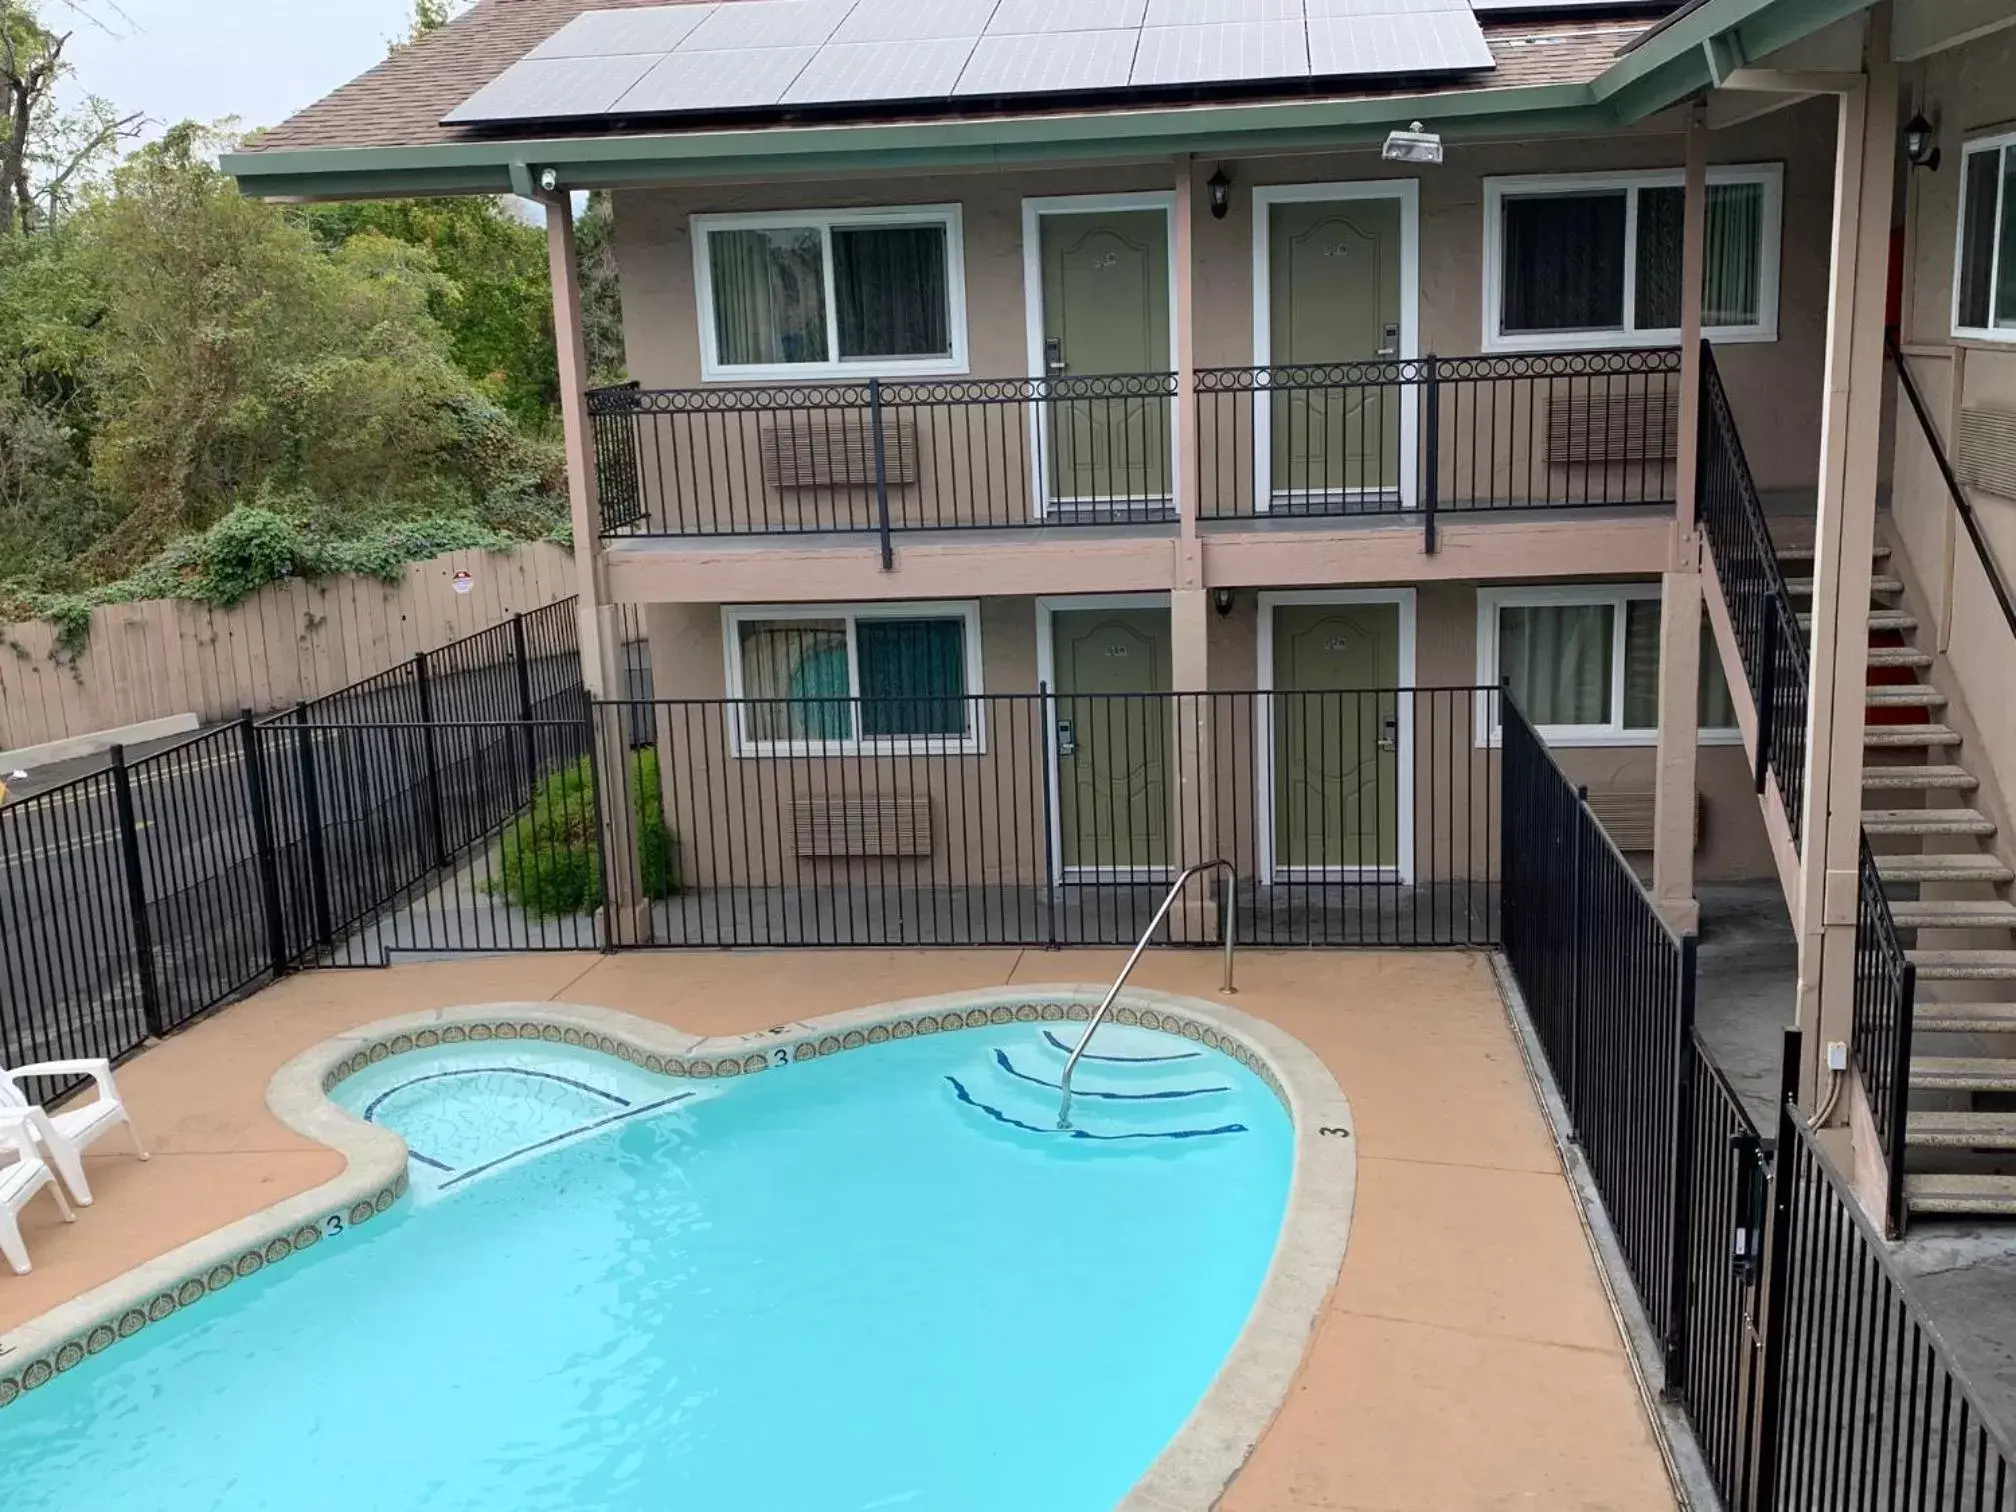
(45, 145)
(601, 292)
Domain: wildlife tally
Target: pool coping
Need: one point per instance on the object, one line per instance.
(1194, 1468)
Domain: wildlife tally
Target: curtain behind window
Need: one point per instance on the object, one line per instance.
(889, 287)
(1712, 705)
(799, 667)
(769, 295)
(1977, 235)
(1732, 247)
(1563, 262)
(913, 676)
(2005, 283)
(1557, 659)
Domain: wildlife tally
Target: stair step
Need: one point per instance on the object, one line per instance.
(1964, 965)
(1945, 913)
(1919, 779)
(1881, 583)
(1961, 1131)
(1905, 696)
(1927, 821)
(1899, 656)
(1805, 553)
(1962, 1073)
(1946, 1192)
(1910, 736)
(1934, 868)
(1879, 619)
(1964, 1018)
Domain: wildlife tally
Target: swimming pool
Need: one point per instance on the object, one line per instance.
(879, 1279)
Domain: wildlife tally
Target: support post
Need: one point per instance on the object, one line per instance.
(146, 968)
(1193, 793)
(1774, 1301)
(265, 852)
(1189, 549)
(1674, 784)
(584, 509)
(1680, 1243)
(626, 911)
(1851, 431)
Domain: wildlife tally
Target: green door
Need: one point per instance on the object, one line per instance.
(1106, 311)
(1334, 285)
(1337, 772)
(1112, 798)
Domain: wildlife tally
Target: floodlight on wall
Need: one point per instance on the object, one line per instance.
(1221, 194)
(548, 180)
(1921, 143)
(1414, 145)
(1221, 600)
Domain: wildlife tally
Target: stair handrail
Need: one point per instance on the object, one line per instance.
(1183, 880)
(1989, 567)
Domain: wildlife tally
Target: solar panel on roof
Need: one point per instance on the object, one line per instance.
(757, 54)
(1018, 17)
(914, 20)
(553, 89)
(1065, 63)
(881, 71)
(737, 79)
(1429, 42)
(608, 34)
(767, 23)
(1226, 50)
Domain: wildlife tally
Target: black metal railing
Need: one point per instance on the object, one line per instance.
(1610, 990)
(1984, 554)
(1880, 1037)
(884, 457)
(1865, 1406)
(1770, 641)
(1364, 817)
(1545, 430)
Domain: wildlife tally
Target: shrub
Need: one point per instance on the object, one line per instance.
(550, 859)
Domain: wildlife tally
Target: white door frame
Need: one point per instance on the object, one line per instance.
(1263, 738)
(1408, 192)
(1046, 676)
(1034, 208)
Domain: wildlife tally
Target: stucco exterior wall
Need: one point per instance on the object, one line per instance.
(1454, 791)
(1774, 385)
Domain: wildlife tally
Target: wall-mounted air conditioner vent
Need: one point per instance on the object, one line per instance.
(1988, 450)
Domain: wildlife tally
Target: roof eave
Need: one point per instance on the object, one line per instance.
(590, 162)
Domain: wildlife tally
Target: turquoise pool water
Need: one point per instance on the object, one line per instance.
(878, 1280)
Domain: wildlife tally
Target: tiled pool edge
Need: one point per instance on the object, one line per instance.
(1194, 1467)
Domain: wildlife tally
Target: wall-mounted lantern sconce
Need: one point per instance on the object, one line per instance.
(1221, 600)
(1921, 143)
(1221, 194)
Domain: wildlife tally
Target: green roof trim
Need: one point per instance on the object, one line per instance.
(1668, 66)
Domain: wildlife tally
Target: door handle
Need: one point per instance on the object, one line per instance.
(1389, 342)
(1389, 735)
(1053, 356)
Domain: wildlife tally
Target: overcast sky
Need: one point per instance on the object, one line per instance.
(258, 60)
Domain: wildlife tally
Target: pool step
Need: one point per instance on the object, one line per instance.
(1132, 1085)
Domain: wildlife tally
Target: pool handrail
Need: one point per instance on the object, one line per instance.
(1168, 902)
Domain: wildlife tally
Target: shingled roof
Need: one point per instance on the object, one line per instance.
(400, 103)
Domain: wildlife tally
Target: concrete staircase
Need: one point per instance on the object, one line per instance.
(1948, 890)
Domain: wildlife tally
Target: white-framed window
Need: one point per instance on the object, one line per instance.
(827, 679)
(1583, 662)
(831, 293)
(1984, 256)
(1593, 259)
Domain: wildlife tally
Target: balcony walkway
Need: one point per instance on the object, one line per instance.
(1467, 1358)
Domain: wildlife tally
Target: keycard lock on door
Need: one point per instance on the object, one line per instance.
(1389, 340)
(1067, 738)
(1053, 356)
(1389, 734)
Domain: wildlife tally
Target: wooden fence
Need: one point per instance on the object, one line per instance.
(288, 642)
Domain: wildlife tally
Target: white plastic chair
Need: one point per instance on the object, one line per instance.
(19, 1183)
(63, 1137)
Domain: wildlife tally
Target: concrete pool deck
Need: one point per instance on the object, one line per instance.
(1467, 1358)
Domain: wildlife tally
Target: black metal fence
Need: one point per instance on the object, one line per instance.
(136, 898)
(1358, 818)
(1886, 990)
(1611, 993)
(1545, 430)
